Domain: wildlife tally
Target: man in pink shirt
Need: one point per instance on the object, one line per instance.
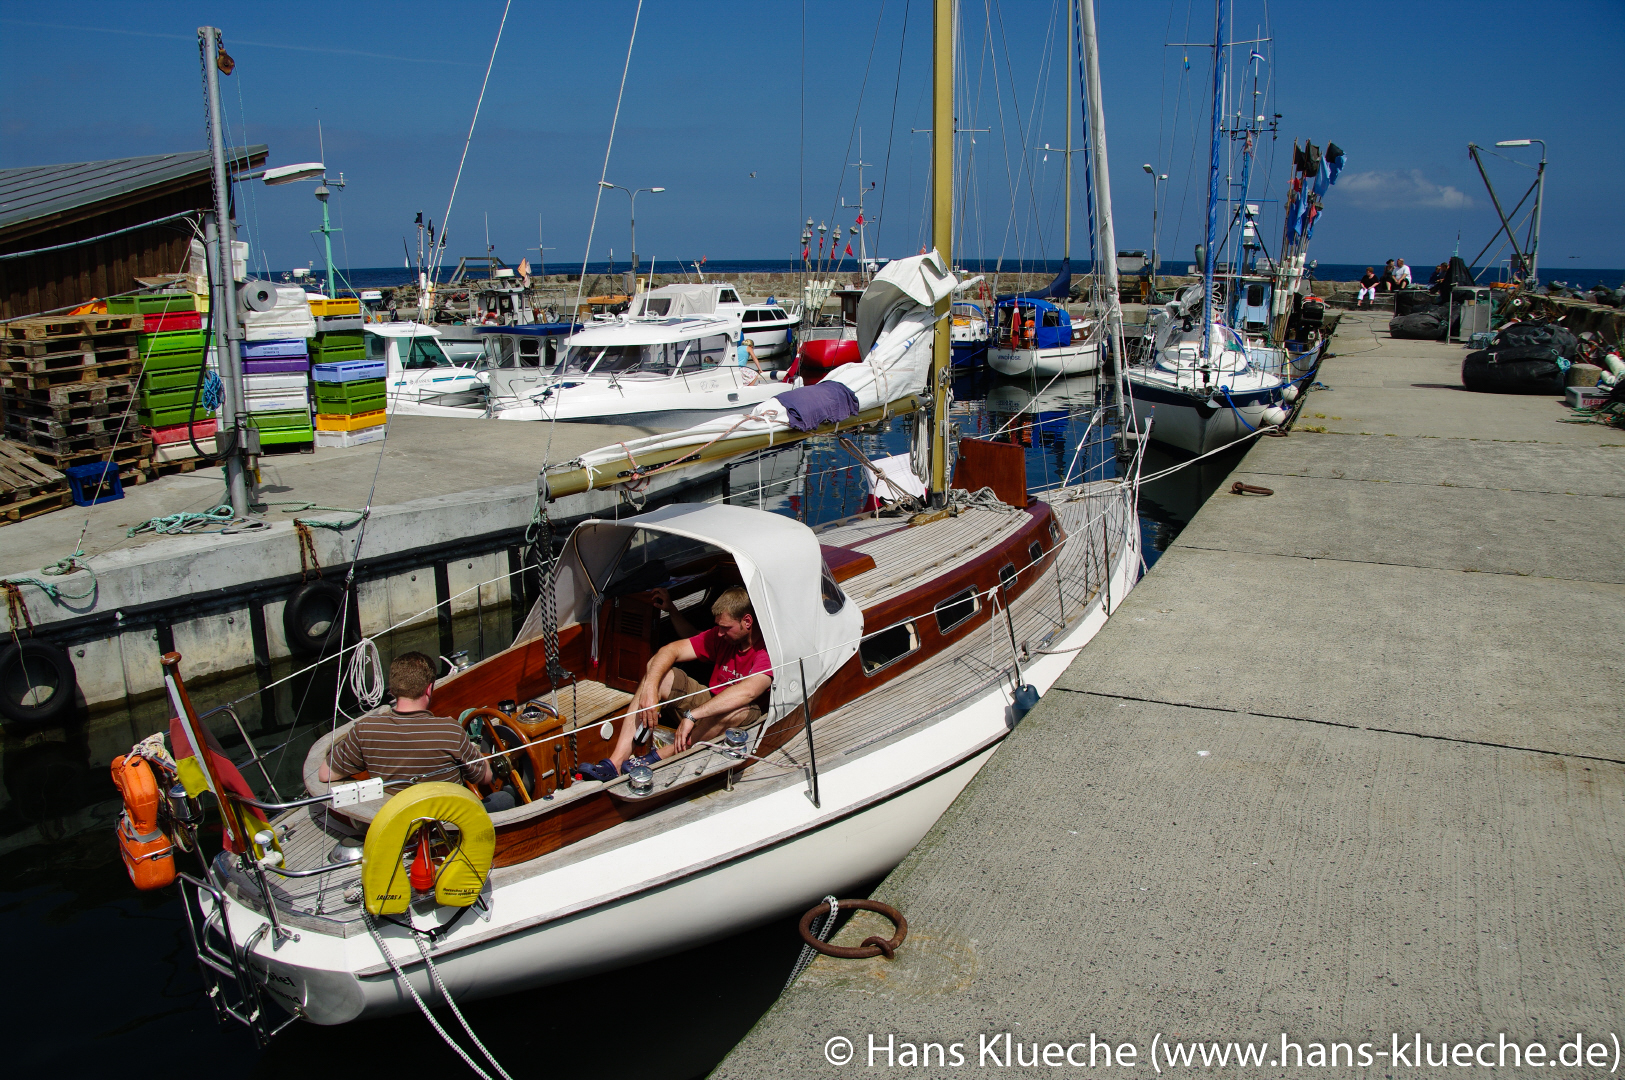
(741, 675)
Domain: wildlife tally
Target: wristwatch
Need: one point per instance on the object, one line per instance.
(686, 714)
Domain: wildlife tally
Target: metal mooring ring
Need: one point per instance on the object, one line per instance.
(872, 946)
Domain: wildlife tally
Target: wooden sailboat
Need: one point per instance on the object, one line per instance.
(905, 645)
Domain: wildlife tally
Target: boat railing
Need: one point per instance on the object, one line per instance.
(231, 986)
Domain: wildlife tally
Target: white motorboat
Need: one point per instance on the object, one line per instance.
(1034, 336)
(766, 326)
(518, 360)
(647, 370)
(422, 380)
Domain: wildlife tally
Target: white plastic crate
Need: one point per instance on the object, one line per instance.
(349, 438)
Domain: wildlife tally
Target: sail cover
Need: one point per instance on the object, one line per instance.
(807, 623)
(1058, 289)
(897, 309)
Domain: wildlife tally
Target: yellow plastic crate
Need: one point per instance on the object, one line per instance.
(348, 422)
(325, 309)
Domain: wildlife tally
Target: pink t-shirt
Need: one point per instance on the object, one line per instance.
(730, 662)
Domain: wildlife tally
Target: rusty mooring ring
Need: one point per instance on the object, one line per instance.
(872, 946)
(1238, 488)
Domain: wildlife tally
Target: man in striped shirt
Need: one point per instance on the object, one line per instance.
(409, 744)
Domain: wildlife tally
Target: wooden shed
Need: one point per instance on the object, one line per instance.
(71, 233)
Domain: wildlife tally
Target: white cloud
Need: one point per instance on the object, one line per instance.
(1392, 189)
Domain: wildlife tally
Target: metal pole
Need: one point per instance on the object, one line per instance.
(1071, 62)
(327, 237)
(1540, 198)
(1156, 183)
(942, 232)
(223, 301)
(1103, 185)
(1213, 180)
(806, 725)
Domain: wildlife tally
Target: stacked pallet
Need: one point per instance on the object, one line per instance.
(350, 402)
(68, 389)
(276, 387)
(349, 388)
(28, 487)
(170, 402)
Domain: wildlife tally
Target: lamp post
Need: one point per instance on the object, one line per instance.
(633, 196)
(1156, 183)
(1540, 196)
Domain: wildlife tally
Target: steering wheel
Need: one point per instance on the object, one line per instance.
(495, 738)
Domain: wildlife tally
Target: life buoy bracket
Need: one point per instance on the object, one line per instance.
(459, 874)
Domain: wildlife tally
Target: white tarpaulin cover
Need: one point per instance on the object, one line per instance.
(779, 560)
(685, 299)
(898, 306)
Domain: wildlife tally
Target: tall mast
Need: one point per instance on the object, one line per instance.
(1107, 245)
(942, 229)
(1071, 54)
(1213, 180)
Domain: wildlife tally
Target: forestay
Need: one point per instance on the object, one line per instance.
(805, 619)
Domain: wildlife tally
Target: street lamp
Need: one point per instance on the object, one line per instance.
(1540, 195)
(310, 170)
(1156, 182)
(633, 195)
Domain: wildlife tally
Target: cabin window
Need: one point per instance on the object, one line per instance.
(713, 350)
(1054, 531)
(727, 296)
(887, 647)
(774, 314)
(530, 352)
(656, 305)
(1035, 551)
(956, 609)
(552, 352)
(425, 352)
(1255, 295)
(377, 347)
(1007, 576)
(834, 599)
(1052, 318)
(752, 315)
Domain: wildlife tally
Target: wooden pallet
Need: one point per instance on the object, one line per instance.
(27, 487)
(129, 368)
(43, 328)
(60, 352)
(136, 455)
(66, 425)
(156, 468)
(71, 400)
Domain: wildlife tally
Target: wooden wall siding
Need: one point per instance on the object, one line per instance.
(78, 274)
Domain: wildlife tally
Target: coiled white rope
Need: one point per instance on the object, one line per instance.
(367, 674)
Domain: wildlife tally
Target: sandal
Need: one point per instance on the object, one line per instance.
(651, 759)
(604, 771)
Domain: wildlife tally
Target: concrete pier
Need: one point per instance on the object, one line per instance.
(1348, 766)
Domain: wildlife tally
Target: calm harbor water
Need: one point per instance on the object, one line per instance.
(101, 978)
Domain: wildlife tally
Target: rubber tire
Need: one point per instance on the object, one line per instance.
(36, 654)
(313, 602)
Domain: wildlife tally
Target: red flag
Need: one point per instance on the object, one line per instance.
(230, 778)
(860, 219)
(849, 248)
(806, 253)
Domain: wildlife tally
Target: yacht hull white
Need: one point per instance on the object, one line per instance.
(1080, 359)
(1191, 422)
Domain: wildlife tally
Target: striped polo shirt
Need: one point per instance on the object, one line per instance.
(406, 748)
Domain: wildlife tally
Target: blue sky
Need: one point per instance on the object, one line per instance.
(714, 95)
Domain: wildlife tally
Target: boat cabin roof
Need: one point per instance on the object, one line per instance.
(403, 329)
(552, 329)
(655, 331)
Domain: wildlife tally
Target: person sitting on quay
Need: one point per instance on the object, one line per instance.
(741, 675)
(1386, 282)
(1402, 274)
(1368, 289)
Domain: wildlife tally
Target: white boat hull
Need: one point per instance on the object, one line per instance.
(703, 880)
(1062, 360)
(1190, 423)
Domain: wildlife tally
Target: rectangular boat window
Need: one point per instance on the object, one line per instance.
(530, 352)
(714, 350)
(1255, 295)
(956, 609)
(656, 305)
(377, 347)
(727, 296)
(425, 352)
(752, 315)
(1052, 318)
(887, 647)
(1035, 551)
(1007, 576)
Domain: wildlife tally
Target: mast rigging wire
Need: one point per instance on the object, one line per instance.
(445, 219)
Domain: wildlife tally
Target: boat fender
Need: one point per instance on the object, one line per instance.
(28, 668)
(1290, 394)
(313, 615)
(1275, 415)
(386, 883)
(149, 857)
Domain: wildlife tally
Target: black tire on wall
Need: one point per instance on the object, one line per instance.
(312, 617)
(37, 682)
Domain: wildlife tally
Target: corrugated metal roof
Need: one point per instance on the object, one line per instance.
(43, 190)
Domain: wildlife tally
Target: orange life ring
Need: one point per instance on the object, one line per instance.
(149, 856)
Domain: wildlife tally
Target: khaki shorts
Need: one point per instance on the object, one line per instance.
(686, 693)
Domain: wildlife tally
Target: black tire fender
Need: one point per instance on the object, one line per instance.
(28, 669)
(313, 615)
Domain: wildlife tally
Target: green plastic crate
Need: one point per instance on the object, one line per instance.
(338, 393)
(180, 414)
(151, 305)
(283, 428)
(173, 341)
(181, 378)
(167, 398)
(339, 339)
(353, 407)
(334, 356)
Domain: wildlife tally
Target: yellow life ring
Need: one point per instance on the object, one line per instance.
(459, 876)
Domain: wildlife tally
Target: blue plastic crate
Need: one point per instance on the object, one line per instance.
(94, 483)
(344, 371)
(273, 350)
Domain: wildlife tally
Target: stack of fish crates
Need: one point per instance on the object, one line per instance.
(349, 387)
(173, 345)
(276, 390)
(68, 385)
